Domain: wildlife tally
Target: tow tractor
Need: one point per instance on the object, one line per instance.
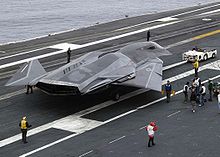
(200, 54)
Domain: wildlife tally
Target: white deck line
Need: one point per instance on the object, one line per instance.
(22, 53)
(210, 12)
(48, 145)
(188, 12)
(180, 43)
(173, 65)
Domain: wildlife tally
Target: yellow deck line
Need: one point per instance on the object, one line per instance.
(206, 35)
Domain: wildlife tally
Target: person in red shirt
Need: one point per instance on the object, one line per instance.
(151, 128)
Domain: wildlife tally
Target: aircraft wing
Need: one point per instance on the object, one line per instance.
(148, 75)
(148, 72)
(28, 74)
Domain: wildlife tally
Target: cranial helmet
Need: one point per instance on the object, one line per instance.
(152, 123)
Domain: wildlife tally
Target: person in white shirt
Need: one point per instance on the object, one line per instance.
(202, 95)
(218, 98)
(185, 92)
(197, 84)
(151, 128)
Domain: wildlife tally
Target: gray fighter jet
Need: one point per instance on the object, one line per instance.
(134, 65)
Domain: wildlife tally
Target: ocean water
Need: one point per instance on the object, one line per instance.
(25, 19)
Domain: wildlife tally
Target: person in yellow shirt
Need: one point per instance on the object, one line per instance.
(24, 126)
(196, 67)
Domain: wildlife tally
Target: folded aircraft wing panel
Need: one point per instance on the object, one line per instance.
(29, 73)
(148, 76)
(155, 79)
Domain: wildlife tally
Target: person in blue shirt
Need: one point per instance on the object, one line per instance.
(168, 89)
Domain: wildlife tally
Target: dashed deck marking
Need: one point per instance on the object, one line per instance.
(117, 139)
(173, 114)
(86, 153)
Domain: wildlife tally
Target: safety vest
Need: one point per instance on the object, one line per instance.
(196, 64)
(23, 124)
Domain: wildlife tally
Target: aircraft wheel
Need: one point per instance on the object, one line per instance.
(213, 55)
(116, 96)
(205, 57)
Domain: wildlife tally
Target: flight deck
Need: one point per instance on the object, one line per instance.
(96, 126)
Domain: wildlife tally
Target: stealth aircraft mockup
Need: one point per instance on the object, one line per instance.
(135, 65)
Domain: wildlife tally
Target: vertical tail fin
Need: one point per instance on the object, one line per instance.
(28, 74)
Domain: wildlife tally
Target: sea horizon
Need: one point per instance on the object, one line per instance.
(30, 19)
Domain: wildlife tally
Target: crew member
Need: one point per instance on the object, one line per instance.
(24, 126)
(197, 85)
(196, 67)
(29, 87)
(148, 35)
(202, 95)
(195, 48)
(218, 98)
(68, 55)
(193, 99)
(185, 91)
(151, 128)
(168, 89)
(210, 87)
